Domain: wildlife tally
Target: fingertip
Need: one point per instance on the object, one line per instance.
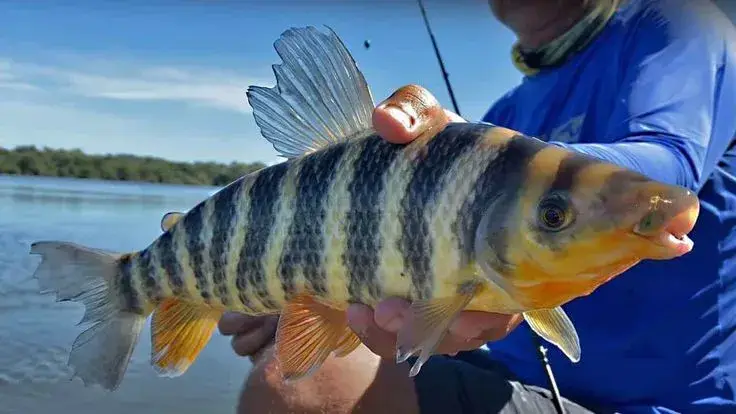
(359, 316)
(393, 124)
(389, 314)
(231, 322)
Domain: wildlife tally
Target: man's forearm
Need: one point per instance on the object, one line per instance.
(652, 159)
(358, 383)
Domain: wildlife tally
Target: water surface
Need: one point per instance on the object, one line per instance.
(36, 333)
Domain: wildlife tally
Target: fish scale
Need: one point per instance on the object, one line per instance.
(469, 216)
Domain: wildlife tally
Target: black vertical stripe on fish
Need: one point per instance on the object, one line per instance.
(498, 187)
(224, 216)
(619, 181)
(148, 275)
(569, 167)
(304, 243)
(615, 184)
(169, 262)
(125, 283)
(363, 218)
(264, 194)
(193, 226)
(438, 157)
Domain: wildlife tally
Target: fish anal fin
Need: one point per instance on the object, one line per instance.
(555, 327)
(170, 219)
(179, 332)
(428, 324)
(308, 332)
(320, 98)
(347, 343)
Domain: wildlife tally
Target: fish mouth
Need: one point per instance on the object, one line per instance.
(671, 240)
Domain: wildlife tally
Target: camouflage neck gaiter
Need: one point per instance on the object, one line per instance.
(555, 53)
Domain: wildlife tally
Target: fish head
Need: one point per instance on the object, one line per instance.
(577, 222)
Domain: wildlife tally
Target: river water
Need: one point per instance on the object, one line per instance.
(36, 333)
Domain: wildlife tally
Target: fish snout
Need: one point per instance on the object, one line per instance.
(670, 216)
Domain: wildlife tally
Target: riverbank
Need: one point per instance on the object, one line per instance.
(49, 162)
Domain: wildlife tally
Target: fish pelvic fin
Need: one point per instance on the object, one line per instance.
(170, 219)
(430, 320)
(179, 332)
(308, 332)
(99, 355)
(554, 326)
(320, 98)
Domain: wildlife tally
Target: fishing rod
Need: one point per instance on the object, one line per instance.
(445, 75)
(541, 350)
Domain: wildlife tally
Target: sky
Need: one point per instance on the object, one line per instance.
(168, 78)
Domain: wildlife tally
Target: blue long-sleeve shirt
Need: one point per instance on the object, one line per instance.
(654, 92)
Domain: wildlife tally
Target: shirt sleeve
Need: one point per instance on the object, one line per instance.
(673, 119)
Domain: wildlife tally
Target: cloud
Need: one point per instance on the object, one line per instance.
(121, 81)
(77, 101)
(9, 81)
(68, 126)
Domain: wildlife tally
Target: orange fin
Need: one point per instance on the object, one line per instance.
(179, 332)
(308, 332)
(347, 343)
(430, 320)
(169, 219)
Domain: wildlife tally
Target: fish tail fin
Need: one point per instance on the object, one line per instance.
(100, 354)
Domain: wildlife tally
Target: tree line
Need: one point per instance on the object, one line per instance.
(48, 162)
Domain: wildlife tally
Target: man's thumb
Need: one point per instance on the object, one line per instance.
(407, 114)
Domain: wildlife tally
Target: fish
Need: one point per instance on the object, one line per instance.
(469, 216)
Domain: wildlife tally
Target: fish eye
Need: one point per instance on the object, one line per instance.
(553, 213)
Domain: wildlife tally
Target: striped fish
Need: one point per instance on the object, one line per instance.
(471, 217)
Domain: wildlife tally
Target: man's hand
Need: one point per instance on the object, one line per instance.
(410, 112)
(407, 114)
(251, 334)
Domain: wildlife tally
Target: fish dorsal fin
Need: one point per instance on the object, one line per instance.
(320, 98)
(169, 219)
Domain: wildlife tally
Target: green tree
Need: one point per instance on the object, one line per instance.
(28, 160)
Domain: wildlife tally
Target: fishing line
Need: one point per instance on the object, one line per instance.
(541, 350)
(439, 58)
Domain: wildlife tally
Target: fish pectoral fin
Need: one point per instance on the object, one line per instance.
(308, 332)
(428, 324)
(554, 326)
(347, 343)
(320, 97)
(179, 332)
(169, 219)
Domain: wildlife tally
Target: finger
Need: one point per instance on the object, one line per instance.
(361, 320)
(254, 340)
(453, 117)
(407, 114)
(232, 323)
(389, 314)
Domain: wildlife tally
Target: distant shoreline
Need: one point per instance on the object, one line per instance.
(48, 162)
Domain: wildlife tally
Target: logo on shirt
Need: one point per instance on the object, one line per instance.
(569, 132)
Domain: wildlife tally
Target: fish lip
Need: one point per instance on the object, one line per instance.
(672, 238)
(670, 244)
